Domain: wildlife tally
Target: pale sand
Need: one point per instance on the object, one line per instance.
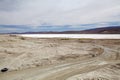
(59, 59)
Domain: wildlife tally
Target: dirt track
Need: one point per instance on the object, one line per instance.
(97, 59)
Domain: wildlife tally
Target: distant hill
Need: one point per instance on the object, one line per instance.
(104, 30)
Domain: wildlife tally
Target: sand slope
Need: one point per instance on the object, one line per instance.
(59, 59)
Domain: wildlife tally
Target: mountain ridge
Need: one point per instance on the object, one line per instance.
(103, 30)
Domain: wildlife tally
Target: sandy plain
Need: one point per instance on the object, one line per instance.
(59, 58)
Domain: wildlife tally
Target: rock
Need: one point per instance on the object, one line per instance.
(4, 69)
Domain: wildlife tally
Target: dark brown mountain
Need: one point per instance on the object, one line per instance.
(105, 30)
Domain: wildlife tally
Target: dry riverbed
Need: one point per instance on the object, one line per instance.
(59, 58)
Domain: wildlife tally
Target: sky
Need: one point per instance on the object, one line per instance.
(57, 15)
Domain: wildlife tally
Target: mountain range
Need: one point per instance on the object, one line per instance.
(103, 30)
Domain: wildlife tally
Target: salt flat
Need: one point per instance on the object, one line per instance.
(93, 36)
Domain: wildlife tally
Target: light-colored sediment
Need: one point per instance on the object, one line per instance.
(59, 59)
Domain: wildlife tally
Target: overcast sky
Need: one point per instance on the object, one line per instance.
(55, 15)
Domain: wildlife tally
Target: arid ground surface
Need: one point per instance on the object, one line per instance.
(59, 58)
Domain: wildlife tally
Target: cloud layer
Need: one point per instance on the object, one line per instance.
(58, 12)
(24, 28)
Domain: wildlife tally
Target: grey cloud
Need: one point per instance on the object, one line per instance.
(9, 5)
(58, 12)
